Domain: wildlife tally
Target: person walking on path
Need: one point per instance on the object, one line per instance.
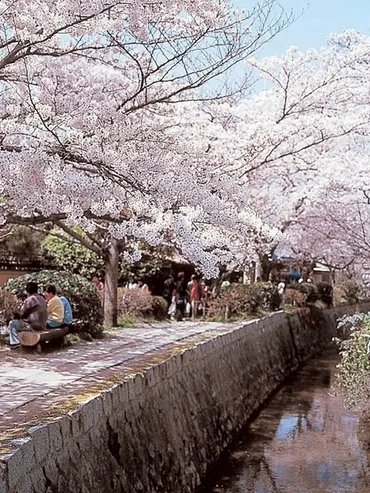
(194, 295)
(180, 296)
(204, 295)
(132, 284)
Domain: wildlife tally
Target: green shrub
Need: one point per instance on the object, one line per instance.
(140, 303)
(136, 302)
(353, 378)
(9, 304)
(349, 323)
(294, 297)
(73, 257)
(126, 321)
(271, 299)
(159, 308)
(244, 299)
(325, 293)
(339, 295)
(350, 290)
(85, 301)
(309, 290)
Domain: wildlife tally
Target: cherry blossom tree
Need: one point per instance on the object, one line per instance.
(295, 142)
(90, 132)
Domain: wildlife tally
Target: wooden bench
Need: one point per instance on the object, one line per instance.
(35, 338)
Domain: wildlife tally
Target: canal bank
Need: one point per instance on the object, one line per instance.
(158, 426)
(303, 441)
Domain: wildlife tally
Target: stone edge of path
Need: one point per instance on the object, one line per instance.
(66, 399)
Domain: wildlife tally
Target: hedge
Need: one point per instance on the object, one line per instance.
(85, 300)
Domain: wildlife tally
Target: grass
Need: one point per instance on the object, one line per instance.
(242, 317)
(125, 322)
(3, 340)
(131, 321)
(73, 338)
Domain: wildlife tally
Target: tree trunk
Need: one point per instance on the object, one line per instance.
(111, 284)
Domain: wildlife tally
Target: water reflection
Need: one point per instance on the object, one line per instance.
(304, 441)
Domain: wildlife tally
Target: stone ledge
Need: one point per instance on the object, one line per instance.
(167, 418)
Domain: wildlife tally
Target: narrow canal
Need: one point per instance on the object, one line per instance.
(303, 441)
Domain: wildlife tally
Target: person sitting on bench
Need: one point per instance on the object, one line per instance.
(13, 328)
(68, 316)
(33, 315)
(55, 308)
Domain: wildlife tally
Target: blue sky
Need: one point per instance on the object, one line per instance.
(321, 17)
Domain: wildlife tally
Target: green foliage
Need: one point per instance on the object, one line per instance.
(159, 308)
(146, 268)
(354, 370)
(325, 293)
(244, 299)
(321, 305)
(140, 303)
(70, 255)
(136, 302)
(320, 295)
(85, 301)
(23, 241)
(313, 293)
(294, 297)
(349, 290)
(126, 321)
(308, 289)
(271, 299)
(73, 256)
(9, 304)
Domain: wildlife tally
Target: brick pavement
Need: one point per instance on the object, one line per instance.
(31, 383)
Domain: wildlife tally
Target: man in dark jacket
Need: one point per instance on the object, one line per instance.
(33, 315)
(181, 298)
(34, 311)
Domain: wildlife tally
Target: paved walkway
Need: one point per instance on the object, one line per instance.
(31, 384)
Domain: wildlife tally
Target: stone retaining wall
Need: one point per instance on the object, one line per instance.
(159, 430)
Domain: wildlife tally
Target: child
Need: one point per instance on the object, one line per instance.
(13, 327)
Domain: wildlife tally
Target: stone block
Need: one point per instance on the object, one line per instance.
(41, 444)
(72, 454)
(38, 480)
(130, 386)
(107, 402)
(139, 384)
(28, 452)
(151, 380)
(68, 467)
(97, 409)
(55, 436)
(123, 394)
(15, 467)
(3, 478)
(26, 487)
(116, 390)
(91, 412)
(87, 416)
(51, 471)
(75, 418)
(65, 425)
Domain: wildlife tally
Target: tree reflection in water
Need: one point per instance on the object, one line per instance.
(303, 441)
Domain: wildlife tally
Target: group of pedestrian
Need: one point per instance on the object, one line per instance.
(130, 284)
(133, 284)
(49, 310)
(186, 299)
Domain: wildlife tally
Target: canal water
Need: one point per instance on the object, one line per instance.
(303, 441)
